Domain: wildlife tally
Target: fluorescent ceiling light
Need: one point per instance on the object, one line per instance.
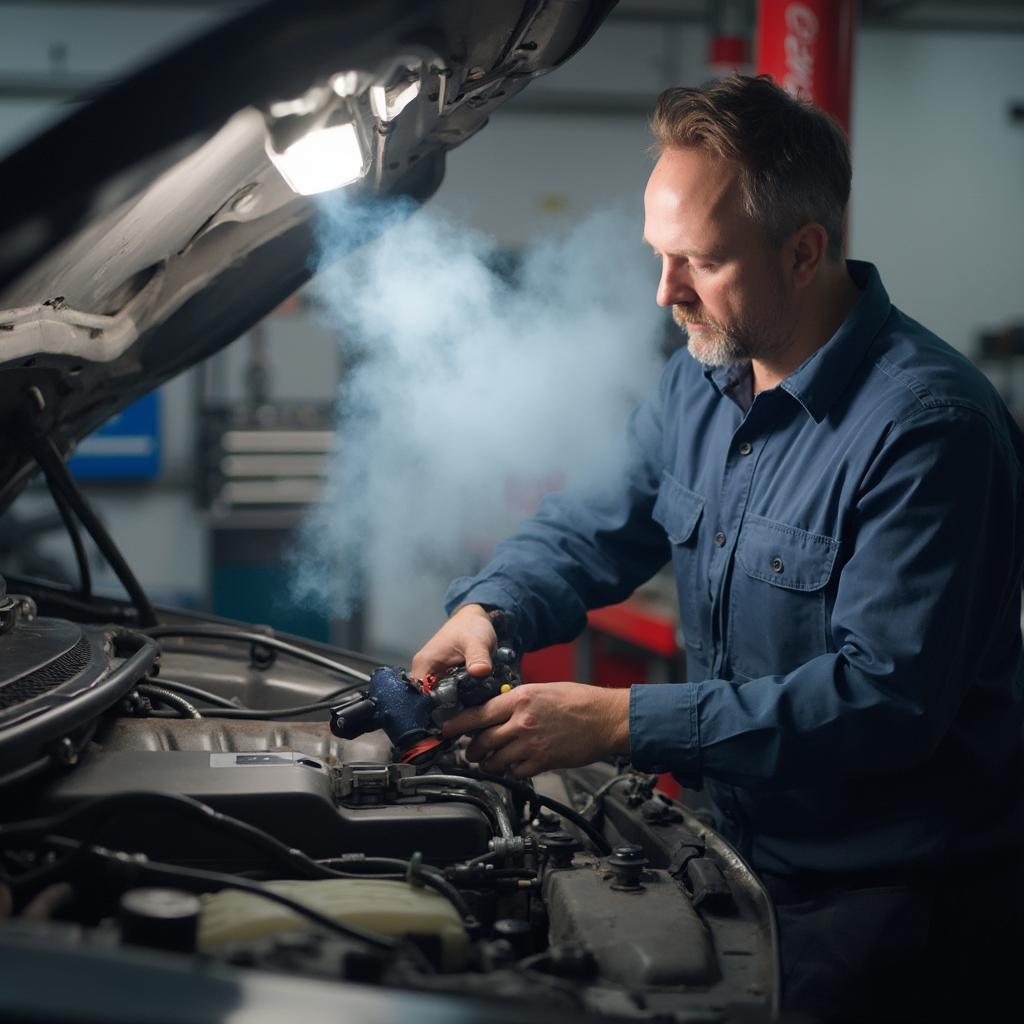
(322, 160)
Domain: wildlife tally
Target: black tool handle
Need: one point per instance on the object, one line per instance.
(353, 719)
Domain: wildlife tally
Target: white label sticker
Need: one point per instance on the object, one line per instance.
(253, 758)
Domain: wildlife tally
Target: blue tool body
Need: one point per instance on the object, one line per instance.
(411, 711)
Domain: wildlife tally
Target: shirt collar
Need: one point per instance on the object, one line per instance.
(722, 378)
(821, 378)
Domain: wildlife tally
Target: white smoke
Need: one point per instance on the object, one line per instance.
(467, 392)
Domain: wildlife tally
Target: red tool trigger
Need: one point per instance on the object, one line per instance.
(418, 750)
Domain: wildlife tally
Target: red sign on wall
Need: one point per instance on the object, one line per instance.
(807, 47)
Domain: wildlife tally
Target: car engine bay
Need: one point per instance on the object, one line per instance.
(177, 789)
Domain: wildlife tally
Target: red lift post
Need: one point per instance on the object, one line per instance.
(807, 47)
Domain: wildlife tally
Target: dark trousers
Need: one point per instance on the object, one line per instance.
(935, 945)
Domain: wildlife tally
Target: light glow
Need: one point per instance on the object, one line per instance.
(387, 104)
(322, 160)
(312, 100)
(349, 83)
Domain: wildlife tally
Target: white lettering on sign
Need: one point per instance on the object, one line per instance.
(801, 35)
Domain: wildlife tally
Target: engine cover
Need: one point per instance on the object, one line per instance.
(287, 793)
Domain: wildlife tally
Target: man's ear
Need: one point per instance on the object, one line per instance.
(809, 249)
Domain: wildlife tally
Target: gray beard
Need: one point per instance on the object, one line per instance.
(713, 347)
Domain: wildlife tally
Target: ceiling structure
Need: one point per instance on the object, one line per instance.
(1000, 16)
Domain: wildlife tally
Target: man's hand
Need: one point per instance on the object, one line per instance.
(467, 638)
(540, 726)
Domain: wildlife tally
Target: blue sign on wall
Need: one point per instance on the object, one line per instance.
(126, 447)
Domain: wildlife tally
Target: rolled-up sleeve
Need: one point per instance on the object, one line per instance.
(664, 731)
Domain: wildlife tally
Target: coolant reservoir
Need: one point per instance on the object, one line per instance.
(390, 908)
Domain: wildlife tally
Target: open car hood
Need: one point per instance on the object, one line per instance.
(151, 227)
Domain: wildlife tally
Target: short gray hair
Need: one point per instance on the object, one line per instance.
(795, 157)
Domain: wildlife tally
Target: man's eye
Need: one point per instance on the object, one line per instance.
(705, 268)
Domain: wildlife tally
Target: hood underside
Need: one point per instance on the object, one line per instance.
(152, 227)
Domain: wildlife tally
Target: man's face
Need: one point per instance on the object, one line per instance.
(723, 280)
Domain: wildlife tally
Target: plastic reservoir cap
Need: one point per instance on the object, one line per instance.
(160, 918)
(378, 905)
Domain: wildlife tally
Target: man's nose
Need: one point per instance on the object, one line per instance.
(675, 287)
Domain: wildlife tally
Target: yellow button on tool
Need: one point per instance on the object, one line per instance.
(505, 687)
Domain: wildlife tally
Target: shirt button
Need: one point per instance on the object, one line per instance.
(777, 565)
(746, 448)
(719, 539)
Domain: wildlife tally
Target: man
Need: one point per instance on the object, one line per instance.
(840, 494)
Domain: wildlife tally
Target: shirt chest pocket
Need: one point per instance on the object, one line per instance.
(679, 510)
(778, 609)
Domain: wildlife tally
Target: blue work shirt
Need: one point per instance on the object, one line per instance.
(847, 549)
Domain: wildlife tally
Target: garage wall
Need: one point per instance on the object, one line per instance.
(938, 197)
(938, 189)
(76, 44)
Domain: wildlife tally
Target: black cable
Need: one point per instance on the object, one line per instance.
(270, 714)
(155, 871)
(530, 962)
(60, 480)
(187, 690)
(594, 807)
(105, 807)
(389, 864)
(423, 873)
(65, 602)
(435, 880)
(530, 967)
(527, 792)
(486, 858)
(452, 796)
(25, 771)
(172, 700)
(273, 642)
(225, 708)
(201, 621)
(81, 557)
(429, 876)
